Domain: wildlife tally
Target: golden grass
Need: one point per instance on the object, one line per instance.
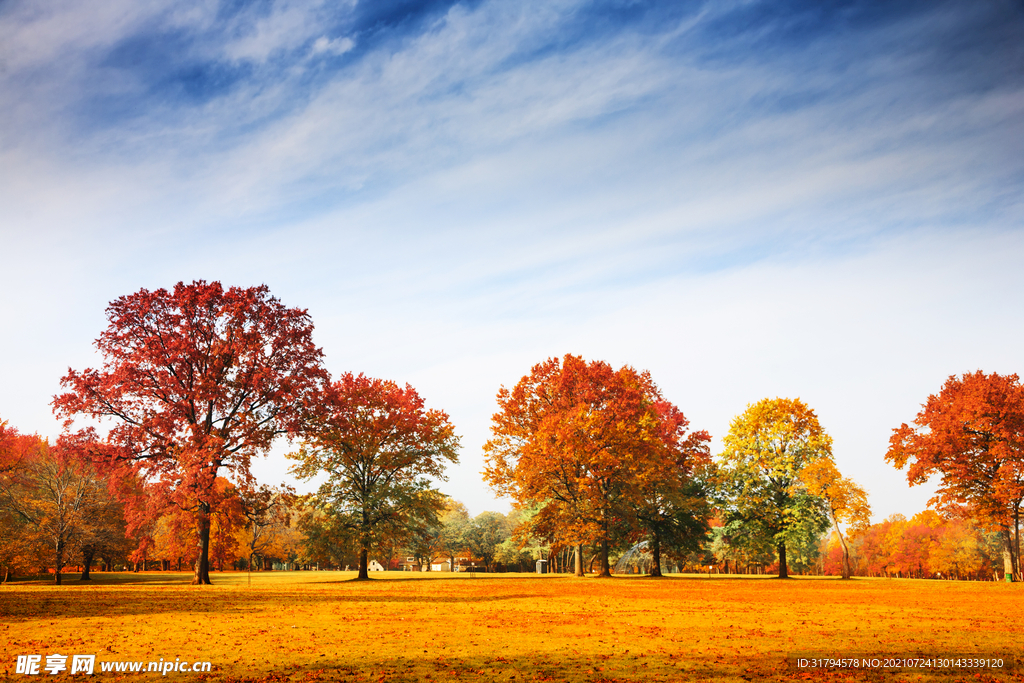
(299, 626)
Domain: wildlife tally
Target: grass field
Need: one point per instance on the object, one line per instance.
(308, 626)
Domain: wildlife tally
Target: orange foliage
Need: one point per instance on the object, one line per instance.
(590, 446)
(926, 546)
(175, 536)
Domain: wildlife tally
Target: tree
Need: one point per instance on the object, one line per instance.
(912, 543)
(104, 532)
(450, 533)
(324, 540)
(225, 525)
(571, 436)
(522, 547)
(56, 501)
(926, 546)
(266, 511)
(378, 445)
(668, 499)
(972, 436)
(845, 501)
(18, 551)
(875, 545)
(765, 450)
(675, 517)
(958, 552)
(484, 534)
(197, 381)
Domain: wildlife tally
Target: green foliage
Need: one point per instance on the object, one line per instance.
(521, 546)
(485, 534)
(326, 540)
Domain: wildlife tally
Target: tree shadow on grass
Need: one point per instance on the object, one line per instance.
(140, 600)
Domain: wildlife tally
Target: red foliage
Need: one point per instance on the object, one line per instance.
(197, 381)
(832, 562)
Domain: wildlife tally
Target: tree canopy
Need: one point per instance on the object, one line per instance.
(845, 501)
(51, 504)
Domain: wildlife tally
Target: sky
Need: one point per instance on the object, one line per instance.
(748, 198)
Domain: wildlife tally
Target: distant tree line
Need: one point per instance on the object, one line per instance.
(927, 546)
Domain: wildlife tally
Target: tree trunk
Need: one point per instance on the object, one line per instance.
(579, 560)
(364, 553)
(783, 570)
(656, 555)
(202, 574)
(87, 554)
(846, 551)
(1017, 570)
(59, 559)
(606, 569)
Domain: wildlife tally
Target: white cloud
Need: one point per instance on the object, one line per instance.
(287, 27)
(336, 46)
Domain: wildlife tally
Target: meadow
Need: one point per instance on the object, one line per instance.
(313, 626)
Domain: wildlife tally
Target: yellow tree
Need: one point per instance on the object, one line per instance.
(846, 502)
(448, 537)
(958, 552)
(20, 547)
(55, 501)
(760, 486)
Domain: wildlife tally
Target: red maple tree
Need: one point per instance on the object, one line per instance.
(378, 444)
(197, 381)
(971, 434)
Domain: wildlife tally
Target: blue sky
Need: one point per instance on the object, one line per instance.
(747, 198)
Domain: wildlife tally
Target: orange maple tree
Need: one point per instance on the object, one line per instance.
(197, 381)
(971, 434)
(50, 500)
(17, 453)
(266, 510)
(589, 444)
